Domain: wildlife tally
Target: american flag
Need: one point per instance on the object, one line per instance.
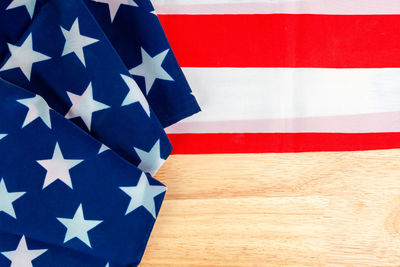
(78, 130)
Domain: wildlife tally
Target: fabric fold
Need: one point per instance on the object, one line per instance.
(137, 35)
(63, 202)
(65, 57)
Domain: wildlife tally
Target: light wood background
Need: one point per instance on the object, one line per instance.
(305, 209)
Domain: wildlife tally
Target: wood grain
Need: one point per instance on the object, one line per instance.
(304, 209)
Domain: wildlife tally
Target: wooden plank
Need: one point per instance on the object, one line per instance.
(298, 209)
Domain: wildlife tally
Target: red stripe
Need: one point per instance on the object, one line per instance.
(285, 40)
(281, 142)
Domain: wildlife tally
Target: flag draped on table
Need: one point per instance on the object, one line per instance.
(80, 134)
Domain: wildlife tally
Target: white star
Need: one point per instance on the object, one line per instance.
(29, 4)
(84, 105)
(113, 5)
(38, 108)
(58, 168)
(143, 195)
(150, 161)
(22, 256)
(151, 69)
(7, 198)
(75, 42)
(2, 136)
(135, 95)
(103, 148)
(78, 226)
(23, 57)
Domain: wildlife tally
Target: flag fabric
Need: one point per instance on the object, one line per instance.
(65, 57)
(287, 75)
(135, 32)
(62, 202)
(80, 139)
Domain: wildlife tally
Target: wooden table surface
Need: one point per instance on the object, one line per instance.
(304, 209)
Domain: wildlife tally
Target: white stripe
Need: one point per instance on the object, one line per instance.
(277, 6)
(365, 123)
(203, 2)
(293, 99)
